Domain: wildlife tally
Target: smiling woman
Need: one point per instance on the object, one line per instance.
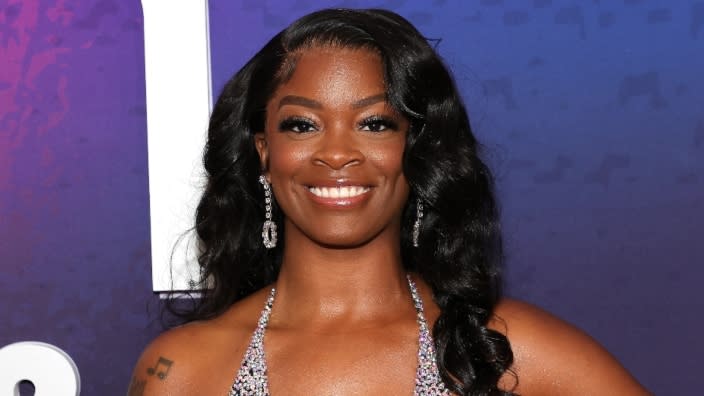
(345, 142)
(332, 150)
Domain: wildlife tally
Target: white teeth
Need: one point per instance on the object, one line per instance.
(338, 192)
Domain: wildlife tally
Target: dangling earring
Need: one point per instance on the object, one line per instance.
(416, 225)
(269, 227)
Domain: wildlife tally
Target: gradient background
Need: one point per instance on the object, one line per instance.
(592, 113)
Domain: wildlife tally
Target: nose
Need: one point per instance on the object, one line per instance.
(338, 148)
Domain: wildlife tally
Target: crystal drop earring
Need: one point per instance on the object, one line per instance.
(269, 227)
(417, 223)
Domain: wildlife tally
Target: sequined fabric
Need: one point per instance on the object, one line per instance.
(252, 379)
(428, 381)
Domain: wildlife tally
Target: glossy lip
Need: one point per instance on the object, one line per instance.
(340, 202)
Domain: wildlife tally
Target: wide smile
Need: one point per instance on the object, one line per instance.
(341, 196)
(338, 192)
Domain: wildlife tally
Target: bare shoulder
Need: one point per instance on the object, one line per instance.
(196, 358)
(552, 357)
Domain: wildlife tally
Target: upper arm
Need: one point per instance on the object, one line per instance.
(199, 358)
(553, 357)
(161, 369)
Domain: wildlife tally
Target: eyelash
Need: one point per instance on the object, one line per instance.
(303, 124)
(378, 121)
(375, 123)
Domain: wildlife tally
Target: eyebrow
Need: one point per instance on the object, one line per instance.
(300, 101)
(313, 104)
(369, 101)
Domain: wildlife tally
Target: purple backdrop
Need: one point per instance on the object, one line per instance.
(592, 115)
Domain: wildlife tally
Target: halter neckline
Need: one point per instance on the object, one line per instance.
(252, 377)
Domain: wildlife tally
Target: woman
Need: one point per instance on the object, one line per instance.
(344, 140)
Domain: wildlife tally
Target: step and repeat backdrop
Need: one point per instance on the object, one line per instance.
(591, 113)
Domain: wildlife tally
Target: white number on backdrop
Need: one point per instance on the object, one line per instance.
(50, 369)
(177, 62)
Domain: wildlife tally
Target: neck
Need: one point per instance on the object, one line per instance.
(320, 285)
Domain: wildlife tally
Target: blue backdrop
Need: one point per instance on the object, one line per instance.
(591, 113)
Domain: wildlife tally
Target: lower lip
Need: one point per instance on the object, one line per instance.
(340, 202)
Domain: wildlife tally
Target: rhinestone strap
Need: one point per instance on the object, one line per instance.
(428, 380)
(252, 379)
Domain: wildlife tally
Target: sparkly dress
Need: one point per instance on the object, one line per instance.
(252, 376)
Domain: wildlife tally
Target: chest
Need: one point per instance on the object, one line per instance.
(391, 359)
(379, 361)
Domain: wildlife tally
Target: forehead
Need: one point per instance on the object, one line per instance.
(334, 75)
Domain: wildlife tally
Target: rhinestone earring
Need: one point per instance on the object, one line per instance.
(269, 227)
(416, 225)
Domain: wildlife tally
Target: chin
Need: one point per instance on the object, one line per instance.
(343, 241)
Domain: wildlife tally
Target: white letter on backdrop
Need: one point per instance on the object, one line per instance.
(50, 369)
(177, 62)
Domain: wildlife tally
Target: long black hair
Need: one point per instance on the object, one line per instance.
(460, 244)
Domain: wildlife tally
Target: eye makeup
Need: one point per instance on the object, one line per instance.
(297, 124)
(373, 123)
(378, 123)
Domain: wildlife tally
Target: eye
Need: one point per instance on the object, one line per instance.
(378, 124)
(298, 125)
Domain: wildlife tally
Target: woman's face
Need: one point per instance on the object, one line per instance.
(332, 149)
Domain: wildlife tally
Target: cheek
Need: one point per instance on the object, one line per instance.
(285, 157)
(388, 157)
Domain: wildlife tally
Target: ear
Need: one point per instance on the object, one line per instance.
(263, 150)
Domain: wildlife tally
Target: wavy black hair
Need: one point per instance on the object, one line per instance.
(460, 244)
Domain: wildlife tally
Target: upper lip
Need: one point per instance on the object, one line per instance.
(338, 182)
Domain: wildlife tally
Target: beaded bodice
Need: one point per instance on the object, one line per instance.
(252, 376)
